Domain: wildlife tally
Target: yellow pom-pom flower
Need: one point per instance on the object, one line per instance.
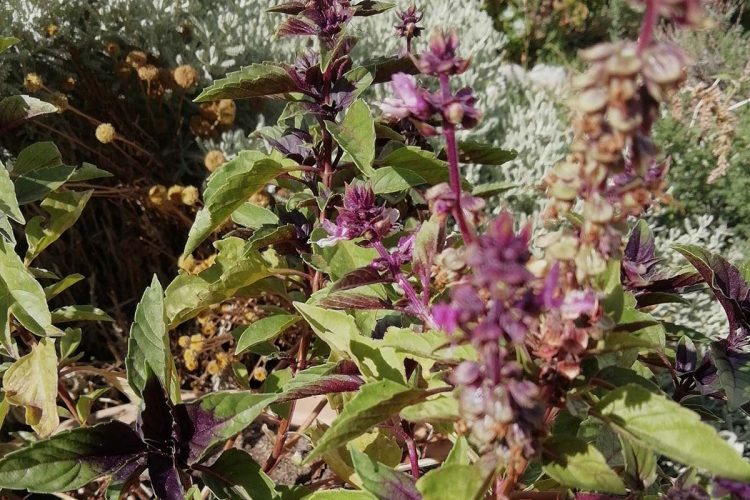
(105, 133)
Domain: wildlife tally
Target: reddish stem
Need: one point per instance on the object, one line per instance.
(650, 17)
(451, 148)
(402, 431)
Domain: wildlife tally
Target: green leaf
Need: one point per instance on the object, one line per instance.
(640, 464)
(272, 235)
(70, 460)
(7, 42)
(262, 331)
(38, 183)
(577, 464)
(69, 342)
(341, 495)
(86, 401)
(256, 80)
(443, 483)
(237, 476)
(734, 375)
(67, 314)
(64, 209)
(17, 108)
(38, 156)
(430, 345)
(31, 382)
(356, 135)
(380, 480)
(235, 268)
(441, 408)
(254, 216)
(460, 454)
(484, 154)
(387, 180)
(344, 257)
(6, 230)
(88, 172)
(22, 296)
(419, 162)
(374, 403)
(374, 359)
(57, 288)
(148, 343)
(664, 426)
(227, 189)
(8, 202)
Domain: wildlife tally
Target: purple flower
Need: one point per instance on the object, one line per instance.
(445, 317)
(360, 217)
(411, 101)
(735, 489)
(460, 109)
(322, 18)
(407, 27)
(578, 303)
(441, 57)
(442, 200)
(501, 255)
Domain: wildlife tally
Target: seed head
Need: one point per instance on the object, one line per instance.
(190, 196)
(185, 76)
(105, 133)
(33, 82)
(214, 159)
(148, 73)
(136, 58)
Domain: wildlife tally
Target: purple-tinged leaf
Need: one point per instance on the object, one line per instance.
(382, 69)
(295, 27)
(655, 298)
(728, 286)
(71, 459)
(352, 300)
(256, 80)
(165, 477)
(370, 8)
(733, 371)
(641, 246)
(156, 423)
(382, 481)
(212, 419)
(681, 283)
(686, 359)
(293, 8)
(360, 277)
(327, 384)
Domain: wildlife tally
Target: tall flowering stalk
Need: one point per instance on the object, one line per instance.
(419, 106)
